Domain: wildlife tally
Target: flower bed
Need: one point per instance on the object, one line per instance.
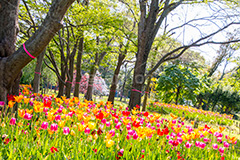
(58, 128)
(192, 113)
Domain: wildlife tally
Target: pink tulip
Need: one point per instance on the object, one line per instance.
(170, 141)
(66, 130)
(108, 124)
(12, 121)
(131, 132)
(221, 150)
(174, 121)
(225, 144)
(197, 143)
(205, 139)
(158, 125)
(202, 145)
(45, 109)
(215, 146)
(188, 145)
(87, 130)
(128, 137)
(179, 139)
(116, 120)
(54, 127)
(122, 150)
(57, 118)
(103, 121)
(112, 132)
(168, 137)
(118, 125)
(128, 127)
(44, 125)
(135, 136)
(27, 116)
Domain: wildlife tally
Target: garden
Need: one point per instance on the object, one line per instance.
(119, 80)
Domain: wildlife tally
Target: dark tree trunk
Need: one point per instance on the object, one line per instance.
(115, 77)
(177, 94)
(8, 36)
(148, 26)
(78, 66)
(70, 71)
(11, 61)
(124, 82)
(89, 93)
(147, 92)
(36, 80)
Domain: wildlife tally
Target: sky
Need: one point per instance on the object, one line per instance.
(196, 29)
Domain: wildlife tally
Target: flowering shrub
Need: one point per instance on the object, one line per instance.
(191, 113)
(70, 129)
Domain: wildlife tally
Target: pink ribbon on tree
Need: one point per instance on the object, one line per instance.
(69, 82)
(136, 90)
(24, 47)
(38, 73)
(77, 82)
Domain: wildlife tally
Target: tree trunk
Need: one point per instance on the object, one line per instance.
(89, 93)
(70, 71)
(11, 61)
(147, 90)
(8, 36)
(36, 80)
(177, 94)
(115, 77)
(78, 66)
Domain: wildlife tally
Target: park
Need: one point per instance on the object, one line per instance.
(119, 79)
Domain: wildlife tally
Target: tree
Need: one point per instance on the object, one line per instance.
(177, 83)
(11, 61)
(152, 15)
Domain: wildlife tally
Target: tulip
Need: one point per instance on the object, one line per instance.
(108, 124)
(135, 136)
(109, 143)
(87, 130)
(112, 132)
(27, 116)
(54, 127)
(44, 125)
(45, 109)
(215, 146)
(221, 150)
(202, 145)
(188, 145)
(66, 130)
(225, 144)
(103, 121)
(12, 121)
(58, 118)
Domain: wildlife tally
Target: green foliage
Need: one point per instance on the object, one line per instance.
(177, 83)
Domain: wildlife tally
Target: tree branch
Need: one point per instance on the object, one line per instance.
(194, 44)
(36, 43)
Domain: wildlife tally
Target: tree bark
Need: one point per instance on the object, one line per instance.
(115, 77)
(8, 36)
(150, 21)
(37, 74)
(78, 66)
(147, 92)
(89, 93)
(70, 71)
(11, 61)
